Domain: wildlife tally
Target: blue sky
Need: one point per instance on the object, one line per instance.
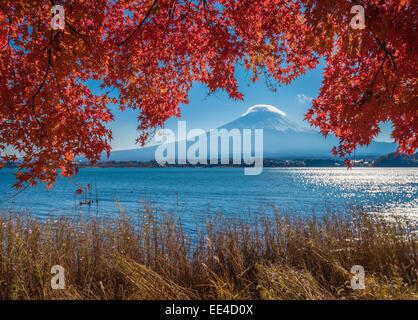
(208, 112)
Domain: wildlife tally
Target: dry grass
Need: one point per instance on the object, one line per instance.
(150, 257)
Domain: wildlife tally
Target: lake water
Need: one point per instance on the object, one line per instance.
(194, 192)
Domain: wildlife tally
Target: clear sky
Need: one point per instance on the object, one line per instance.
(208, 112)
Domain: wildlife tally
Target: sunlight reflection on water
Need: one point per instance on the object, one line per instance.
(191, 191)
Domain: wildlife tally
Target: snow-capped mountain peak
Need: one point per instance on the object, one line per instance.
(264, 107)
(267, 117)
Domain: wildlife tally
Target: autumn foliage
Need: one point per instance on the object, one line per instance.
(149, 53)
(370, 75)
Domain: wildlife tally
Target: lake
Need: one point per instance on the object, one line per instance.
(195, 192)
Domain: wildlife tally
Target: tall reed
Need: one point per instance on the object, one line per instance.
(150, 256)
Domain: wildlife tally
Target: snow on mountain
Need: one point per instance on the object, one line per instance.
(265, 108)
(262, 116)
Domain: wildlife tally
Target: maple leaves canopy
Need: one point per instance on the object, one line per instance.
(151, 52)
(370, 76)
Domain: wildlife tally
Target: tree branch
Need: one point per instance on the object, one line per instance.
(139, 26)
(387, 52)
(76, 32)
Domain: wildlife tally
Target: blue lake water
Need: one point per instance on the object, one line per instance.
(195, 192)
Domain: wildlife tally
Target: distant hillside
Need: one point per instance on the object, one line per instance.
(399, 161)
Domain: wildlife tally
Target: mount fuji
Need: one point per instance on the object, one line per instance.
(282, 138)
